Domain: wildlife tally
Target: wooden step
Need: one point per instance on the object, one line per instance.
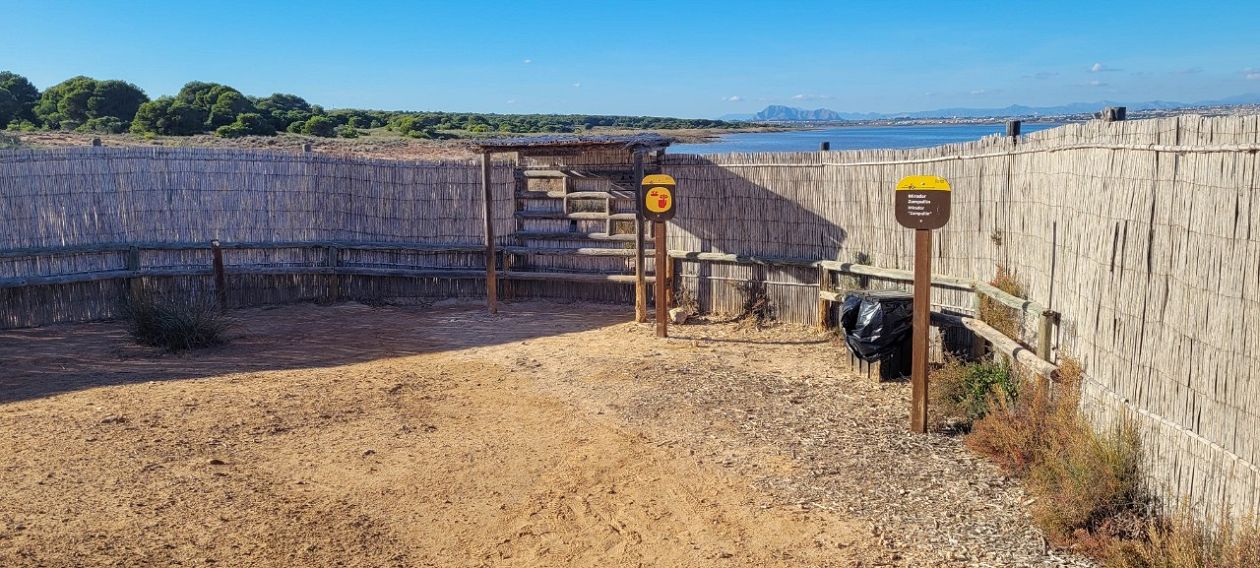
(544, 174)
(585, 251)
(579, 215)
(568, 236)
(576, 277)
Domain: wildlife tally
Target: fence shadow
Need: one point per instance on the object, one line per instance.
(46, 361)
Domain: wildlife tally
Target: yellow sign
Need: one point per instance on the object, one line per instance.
(922, 183)
(657, 202)
(659, 199)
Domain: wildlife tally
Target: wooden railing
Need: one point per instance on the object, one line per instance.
(1040, 361)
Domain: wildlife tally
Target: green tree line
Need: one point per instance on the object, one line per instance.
(85, 104)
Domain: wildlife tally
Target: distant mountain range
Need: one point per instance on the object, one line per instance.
(781, 113)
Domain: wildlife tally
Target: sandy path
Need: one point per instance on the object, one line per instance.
(361, 437)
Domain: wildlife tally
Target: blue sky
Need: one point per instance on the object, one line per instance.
(694, 59)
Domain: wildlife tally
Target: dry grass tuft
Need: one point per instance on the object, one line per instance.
(1003, 318)
(757, 307)
(1183, 541)
(175, 324)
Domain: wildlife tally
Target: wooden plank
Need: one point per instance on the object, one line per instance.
(1001, 343)
(584, 277)
(544, 174)
(585, 251)
(569, 236)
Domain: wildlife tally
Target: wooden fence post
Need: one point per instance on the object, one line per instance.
(492, 284)
(824, 146)
(134, 283)
(220, 279)
(1013, 128)
(824, 305)
(331, 259)
(1045, 334)
(640, 280)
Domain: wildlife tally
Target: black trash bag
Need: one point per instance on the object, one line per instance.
(877, 324)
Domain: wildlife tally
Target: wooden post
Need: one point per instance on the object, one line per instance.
(306, 147)
(133, 283)
(640, 281)
(1013, 128)
(921, 321)
(331, 260)
(662, 259)
(824, 146)
(824, 306)
(96, 142)
(492, 293)
(220, 279)
(1045, 334)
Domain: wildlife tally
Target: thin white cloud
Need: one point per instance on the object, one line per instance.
(1100, 68)
(1097, 84)
(577, 85)
(528, 61)
(1042, 75)
(733, 98)
(1251, 74)
(1189, 71)
(511, 101)
(978, 92)
(807, 97)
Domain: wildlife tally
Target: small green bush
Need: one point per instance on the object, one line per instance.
(967, 391)
(175, 324)
(320, 125)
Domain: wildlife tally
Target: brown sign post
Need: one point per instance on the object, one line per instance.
(922, 204)
(657, 205)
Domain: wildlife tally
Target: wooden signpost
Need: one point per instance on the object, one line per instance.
(922, 204)
(657, 205)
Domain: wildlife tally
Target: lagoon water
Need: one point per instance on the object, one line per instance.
(851, 138)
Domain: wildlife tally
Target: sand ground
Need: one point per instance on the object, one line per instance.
(548, 435)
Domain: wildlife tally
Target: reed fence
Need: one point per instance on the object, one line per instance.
(1143, 235)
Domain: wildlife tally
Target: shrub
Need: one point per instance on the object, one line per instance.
(1013, 430)
(175, 324)
(104, 125)
(1088, 484)
(246, 124)
(967, 391)
(757, 307)
(346, 132)
(1183, 541)
(1003, 318)
(320, 125)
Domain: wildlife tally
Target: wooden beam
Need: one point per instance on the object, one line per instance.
(1001, 344)
(492, 293)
